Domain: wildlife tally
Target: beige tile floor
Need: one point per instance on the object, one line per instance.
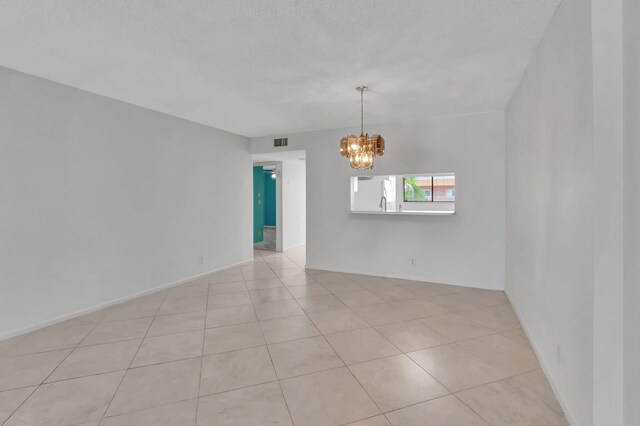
(269, 343)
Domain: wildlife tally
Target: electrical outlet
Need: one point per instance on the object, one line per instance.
(559, 357)
(201, 260)
(412, 262)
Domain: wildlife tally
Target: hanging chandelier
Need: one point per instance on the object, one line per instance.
(362, 149)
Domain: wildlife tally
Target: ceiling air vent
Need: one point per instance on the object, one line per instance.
(281, 142)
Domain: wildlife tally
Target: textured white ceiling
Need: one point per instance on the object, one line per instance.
(279, 66)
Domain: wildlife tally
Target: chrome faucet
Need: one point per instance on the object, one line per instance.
(383, 203)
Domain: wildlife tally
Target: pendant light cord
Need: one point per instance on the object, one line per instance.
(362, 112)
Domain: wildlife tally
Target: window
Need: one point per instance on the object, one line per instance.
(418, 188)
(429, 188)
(411, 194)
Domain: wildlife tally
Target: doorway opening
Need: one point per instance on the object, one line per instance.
(264, 206)
(279, 201)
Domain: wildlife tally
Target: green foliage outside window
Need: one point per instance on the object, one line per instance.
(412, 191)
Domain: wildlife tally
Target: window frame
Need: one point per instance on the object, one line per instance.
(404, 200)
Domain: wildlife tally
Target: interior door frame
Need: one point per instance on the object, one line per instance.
(279, 187)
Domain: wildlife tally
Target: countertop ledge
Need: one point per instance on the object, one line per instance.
(408, 212)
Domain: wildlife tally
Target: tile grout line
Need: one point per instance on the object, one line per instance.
(23, 402)
(345, 365)
(366, 418)
(411, 359)
(353, 375)
(52, 371)
(272, 363)
(131, 362)
(128, 339)
(204, 336)
(401, 352)
(376, 327)
(471, 408)
(271, 266)
(498, 381)
(336, 368)
(391, 356)
(138, 410)
(48, 375)
(72, 349)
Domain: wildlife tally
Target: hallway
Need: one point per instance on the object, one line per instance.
(269, 240)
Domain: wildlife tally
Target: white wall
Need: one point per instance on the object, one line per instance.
(608, 268)
(464, 249)
(549, 153)
(294, 214)
(100, 200)
(631, 9)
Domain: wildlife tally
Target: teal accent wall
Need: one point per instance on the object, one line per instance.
(269, 199)
(258, 204)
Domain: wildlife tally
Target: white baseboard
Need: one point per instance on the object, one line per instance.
(294, 247)
(401, 276)
(112, 302)
(543, 365)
